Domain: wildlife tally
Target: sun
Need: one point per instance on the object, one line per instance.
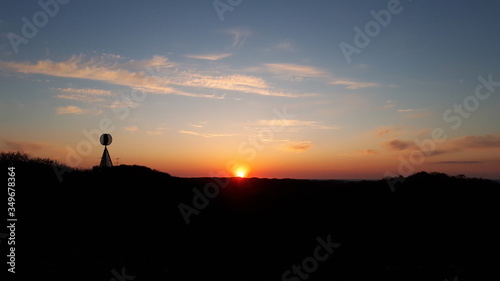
(240, 173)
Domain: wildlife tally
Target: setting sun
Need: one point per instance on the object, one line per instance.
(240, 173)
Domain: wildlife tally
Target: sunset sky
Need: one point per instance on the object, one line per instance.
(298, 89)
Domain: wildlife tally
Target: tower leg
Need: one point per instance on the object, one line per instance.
(106, 159)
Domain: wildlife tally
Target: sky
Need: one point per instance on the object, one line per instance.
(277, 89)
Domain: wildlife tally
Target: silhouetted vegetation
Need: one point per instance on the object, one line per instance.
(432, 227)
(22, 159)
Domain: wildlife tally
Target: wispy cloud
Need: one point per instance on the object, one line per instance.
(400, 144)
(107, 69)
(297, 147)
(99, 69)
(165, 80)
(408, 146)
(131, 128)
(276, 123)
(81, 98)
(83, 95)
(205, 135)
(290, 71)
(285, 122)
(389, 104)
(228, 82)
(458, 162)
(157, 131)
(239, 35)
(415, 112)
(23, 145)
(285, 45)
(464, 143)
(71, 109)
(361, 153)
(354, 85)
(238, 83)
(75, 110)
(419, 115)
(386, 132)
(479, 142)
(366, 152)
(124, 103)
(209, 56)
(96, 92)
(200, 124)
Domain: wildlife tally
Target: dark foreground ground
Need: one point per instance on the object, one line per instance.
(125, 224)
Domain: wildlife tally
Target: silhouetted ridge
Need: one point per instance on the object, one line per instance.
(136, 170)
(432, 227)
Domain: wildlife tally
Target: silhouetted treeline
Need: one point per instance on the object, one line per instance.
(432, 227)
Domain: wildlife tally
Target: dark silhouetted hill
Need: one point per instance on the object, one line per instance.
(433, 227)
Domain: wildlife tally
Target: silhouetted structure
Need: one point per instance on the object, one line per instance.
(106, 140)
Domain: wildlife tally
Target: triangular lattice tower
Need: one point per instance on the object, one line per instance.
(106, 159)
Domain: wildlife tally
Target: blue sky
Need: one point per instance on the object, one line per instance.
(208, 82)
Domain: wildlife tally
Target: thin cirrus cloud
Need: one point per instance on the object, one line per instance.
(133, 74)
(297, 147)
(199, 124)
(389, 104)
(235, 82)
(98, 69)
(290, 71)
(209, 56)
(479, 142)
(228, 82)
(276, 123)
(131, 128)
(366, 152)
(400, 144)
(354, 85)
(458, 162)
(205, 135)
(157, 131)
(285, 45)
(415, 113)
(240, 35)
(386, 132)
(83, 95)
(295, 70)
(81, 98)
(408, 146)
(70, 109)
(483, 142)
(123, 103)
(419, 115)
(75, 110)
(97, 92)
(23, 145)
